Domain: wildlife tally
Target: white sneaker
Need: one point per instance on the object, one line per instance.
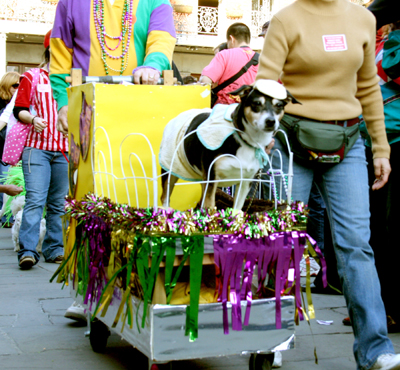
(76, 312)
(387, 361)
(277, 360)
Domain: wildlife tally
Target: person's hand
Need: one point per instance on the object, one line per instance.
(11, 190)
(2, 124)
(39, 124)
(270, 146)
(62, 120)
(382, 170)
(146, 76)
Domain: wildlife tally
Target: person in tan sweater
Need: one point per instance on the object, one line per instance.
(323, 51)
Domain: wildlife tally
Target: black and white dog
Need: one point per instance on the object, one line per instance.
(253, 123)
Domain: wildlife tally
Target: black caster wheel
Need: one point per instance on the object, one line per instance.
(261, 361)
(98, 336)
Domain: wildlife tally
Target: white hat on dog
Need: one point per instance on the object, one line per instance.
(271, 88)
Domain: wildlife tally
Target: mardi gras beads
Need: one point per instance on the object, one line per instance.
(124, 37)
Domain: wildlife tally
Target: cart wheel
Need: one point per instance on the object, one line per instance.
(98, 336)
(261, 361)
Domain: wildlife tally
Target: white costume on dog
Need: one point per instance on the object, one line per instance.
(212, 133)
(17, 208)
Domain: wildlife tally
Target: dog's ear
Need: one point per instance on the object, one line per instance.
(242, 91)
(291, 99)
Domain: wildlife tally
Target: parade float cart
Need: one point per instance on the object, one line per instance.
(175, 284)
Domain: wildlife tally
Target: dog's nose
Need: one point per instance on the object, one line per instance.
(269, 123)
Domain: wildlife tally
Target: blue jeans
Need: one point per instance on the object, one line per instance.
(46, 183)
(344, 188)
(315, 223)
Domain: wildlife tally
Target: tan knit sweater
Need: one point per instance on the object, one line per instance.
(324, 53)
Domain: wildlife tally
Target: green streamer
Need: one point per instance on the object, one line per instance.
(186, 252)
(196, 268)
(156, 251)
(104, 291)
(169, 266)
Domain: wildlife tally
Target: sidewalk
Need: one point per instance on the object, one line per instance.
(35, 335)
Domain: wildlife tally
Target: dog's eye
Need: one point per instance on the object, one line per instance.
(256, 106)
(280, 104)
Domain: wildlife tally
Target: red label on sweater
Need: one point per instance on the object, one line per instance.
(334, 42)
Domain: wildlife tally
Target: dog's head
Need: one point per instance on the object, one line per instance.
(262, 105)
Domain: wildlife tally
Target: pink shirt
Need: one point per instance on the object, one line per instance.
(225, 65)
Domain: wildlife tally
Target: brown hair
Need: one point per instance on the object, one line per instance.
(9, 79)
(239, 31)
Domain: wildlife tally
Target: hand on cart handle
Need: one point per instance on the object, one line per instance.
(62, 120)
(146, 76)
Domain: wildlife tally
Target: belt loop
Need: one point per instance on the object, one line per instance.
(345, 123)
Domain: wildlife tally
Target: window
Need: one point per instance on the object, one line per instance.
(20, 67)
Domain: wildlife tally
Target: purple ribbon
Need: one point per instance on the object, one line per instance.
(253, 253)
(278, 252)
(299, 243)
(97, 234)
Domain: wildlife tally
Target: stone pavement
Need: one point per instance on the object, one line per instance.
(35, 335)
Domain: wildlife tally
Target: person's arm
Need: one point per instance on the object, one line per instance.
(370, 96)
(61, 49)
(5, 116)
(391, 56)
(11, 190)
(274, 52)
(22, 104)
(213, 72)
(160, 44)
(207, 80)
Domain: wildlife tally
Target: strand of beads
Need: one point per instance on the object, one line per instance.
(124, 37)
(273, 185)
(286, 187)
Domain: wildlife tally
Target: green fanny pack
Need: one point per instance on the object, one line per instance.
(318, 141)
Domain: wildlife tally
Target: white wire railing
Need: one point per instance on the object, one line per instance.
(279, 180)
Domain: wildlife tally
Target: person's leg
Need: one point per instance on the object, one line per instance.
(315, 221)
(393, 252)
(319, 228)
(345, 191)
(53, 242)
(384, 224)
(303, 176)
(36, 168)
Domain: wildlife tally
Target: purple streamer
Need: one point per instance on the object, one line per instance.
(236, 258)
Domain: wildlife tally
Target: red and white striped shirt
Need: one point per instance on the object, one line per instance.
(46, 108)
